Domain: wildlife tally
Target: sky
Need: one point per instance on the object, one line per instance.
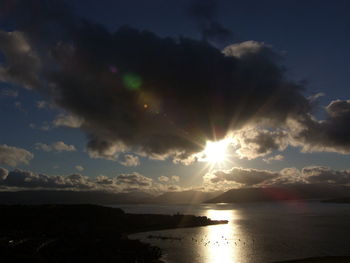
(126, 95)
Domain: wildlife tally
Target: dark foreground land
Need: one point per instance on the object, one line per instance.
(341, 200)
(329, 259)
(81, 233)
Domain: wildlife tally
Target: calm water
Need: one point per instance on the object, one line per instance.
(265, 232)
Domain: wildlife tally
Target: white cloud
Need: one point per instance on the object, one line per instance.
(175, 178)
(277, 157)
(64, 120)
(163, 178)
(13, 156)
(129, 160)
(3, 173)
(79, 168)
(58, 146)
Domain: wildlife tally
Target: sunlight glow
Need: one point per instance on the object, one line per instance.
(221, 248)
(216, 152)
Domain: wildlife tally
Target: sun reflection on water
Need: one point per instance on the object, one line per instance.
(221, 240)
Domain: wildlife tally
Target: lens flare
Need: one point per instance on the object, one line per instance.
(132, 81)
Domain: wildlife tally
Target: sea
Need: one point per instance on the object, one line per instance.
(256, 232)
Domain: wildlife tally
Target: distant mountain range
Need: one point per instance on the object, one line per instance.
(282, 193)
(94, 197)
(184, 197)
(269, 194)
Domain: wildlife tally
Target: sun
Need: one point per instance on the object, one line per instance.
(216, 152)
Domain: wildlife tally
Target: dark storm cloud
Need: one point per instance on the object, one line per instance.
(246, 177)
(331, 134)
(204, 12)
(321, 174)
(22, 65)
(253, 142)
(160, 97)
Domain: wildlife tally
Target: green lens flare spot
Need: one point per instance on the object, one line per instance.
(132, 81)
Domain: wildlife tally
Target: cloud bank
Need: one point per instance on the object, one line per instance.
(18, 179)
(238, 177)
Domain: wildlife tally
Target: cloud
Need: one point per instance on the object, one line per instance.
(105, 149)
(238, 177)
(8, 93)
(163, 178)
(174, 188)
(316, 96)
(79, 168)
(321, 174)
(133, 91)
(253, 142)
(58, 146)
(3, 173)
(104, 180)
(22, 65)
(245, 177)
(277, 157)
(64, 120)
(175, 178)
(41, 104)
(45, 126)
(18, 105)
(168, 183)
(204, 12)
(13, 156)
(129, 160)
(27, 180)
(134, 179)
(287, 176)
(175, 96)
(329, 135)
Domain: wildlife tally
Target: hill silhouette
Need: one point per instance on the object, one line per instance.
(184, 197)
(283, 193)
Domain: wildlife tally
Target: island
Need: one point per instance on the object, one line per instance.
(82, 233)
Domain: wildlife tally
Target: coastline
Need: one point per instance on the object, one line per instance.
(82, 233)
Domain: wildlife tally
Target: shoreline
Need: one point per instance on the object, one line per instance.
(83, 233)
